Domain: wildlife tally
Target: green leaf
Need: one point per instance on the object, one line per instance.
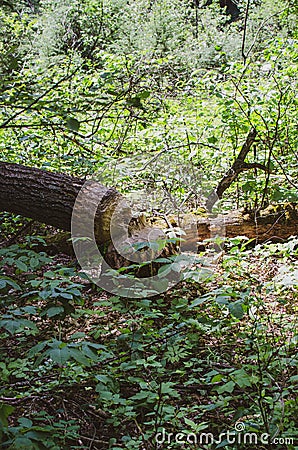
(145, 395)
(49, 274)
(241, 378)
(166, 388)
(73, 124)
(196, 427)
(164, 270)
(228, 387)
(135, 101)
(144, 94)
(24, 422)
(23, 443)
(79, 356)
(20, 265)
(37, 349)
(5, 411)
(59, 355)
(162, 260)
(34, 262)
(222, 299)
(217, 378)
(212, 140)
(223, 444)
(14, 325)
(236, 309)
(35, 283)
(66, 295)
(77, 335)
(7, 281)
(199, 275)
(87, 350)
(55, 311)
(199, 301)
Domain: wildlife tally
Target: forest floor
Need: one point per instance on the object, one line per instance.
(104, 372)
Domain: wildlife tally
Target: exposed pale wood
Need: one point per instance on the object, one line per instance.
(274, 223)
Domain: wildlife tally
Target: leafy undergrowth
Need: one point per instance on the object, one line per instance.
(208, 364)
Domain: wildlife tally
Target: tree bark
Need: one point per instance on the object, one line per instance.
(49, 197)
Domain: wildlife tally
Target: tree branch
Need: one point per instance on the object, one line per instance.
(238, 166)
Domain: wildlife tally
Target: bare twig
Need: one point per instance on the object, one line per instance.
(244, 56)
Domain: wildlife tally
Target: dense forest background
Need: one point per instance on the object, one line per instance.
(154, 97)
(105, 85)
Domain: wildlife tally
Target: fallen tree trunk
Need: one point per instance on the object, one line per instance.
(50, 198)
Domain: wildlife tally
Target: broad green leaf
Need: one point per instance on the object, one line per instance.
(223, 444)
(236, 309)
(59, 355)
(162, 260)
(34, 262)
(49, 274)
(212, 139)
(79, 356)
(144, 94)
(37, 349)
(73, 124)
(24, 444)
(5, 411)
(217, 378)
(66, 295)
(164, 270)
(199, 301)
(241, 378)
(14, 325)
(196, 427)
(21, 265)
(166, 388)
(145, 395)
(87, 351)
(25, 422)
(227, 387)
(54, 311)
